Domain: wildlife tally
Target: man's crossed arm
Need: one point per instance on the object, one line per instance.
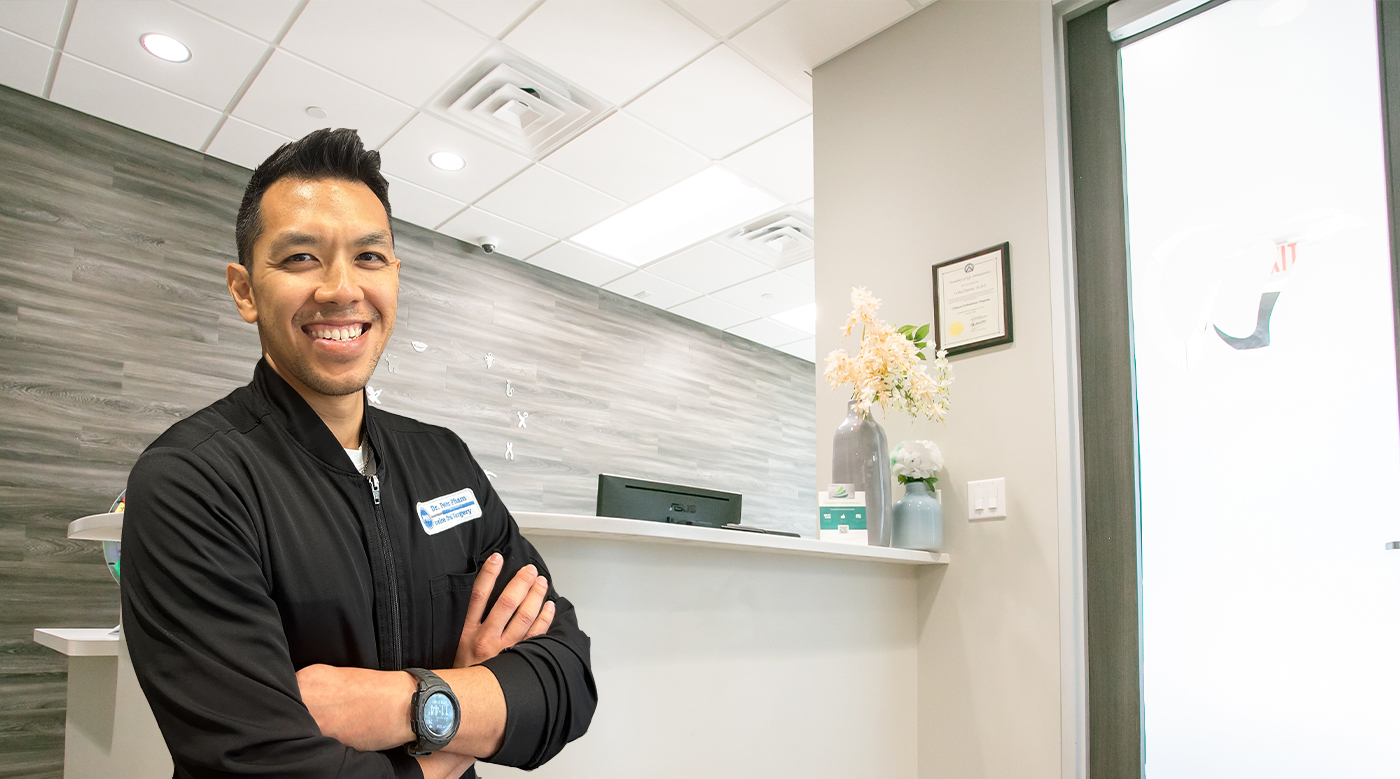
(369, 710)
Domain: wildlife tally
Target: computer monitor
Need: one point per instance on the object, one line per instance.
(619, 496)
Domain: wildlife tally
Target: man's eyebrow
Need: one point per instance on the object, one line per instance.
(376, 238)
(287, 240)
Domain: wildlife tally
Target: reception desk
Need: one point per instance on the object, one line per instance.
(715, 652)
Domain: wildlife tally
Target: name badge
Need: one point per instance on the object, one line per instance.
(448, 511)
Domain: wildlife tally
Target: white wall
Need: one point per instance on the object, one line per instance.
(931, 142)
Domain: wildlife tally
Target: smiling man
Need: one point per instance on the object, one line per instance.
(316, 588)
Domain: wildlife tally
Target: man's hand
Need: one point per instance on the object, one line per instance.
(520, 613)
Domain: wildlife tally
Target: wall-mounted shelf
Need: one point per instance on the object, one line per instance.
(569, 525)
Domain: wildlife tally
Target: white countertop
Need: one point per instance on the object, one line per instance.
(570, 525)
(97, 527)
(107, 527)
(78, 642)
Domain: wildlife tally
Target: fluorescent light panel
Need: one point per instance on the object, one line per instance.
(697, 208)
(803, 318)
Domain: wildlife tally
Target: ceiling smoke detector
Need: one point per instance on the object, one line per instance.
(519, 106)
(777, 240)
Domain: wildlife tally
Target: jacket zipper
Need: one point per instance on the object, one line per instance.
(388, 553)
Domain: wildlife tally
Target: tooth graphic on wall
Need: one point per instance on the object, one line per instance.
(490, 359)
(391, 361)
(1287, 260)
(523, 416)
(1260, 337)
(510, 451)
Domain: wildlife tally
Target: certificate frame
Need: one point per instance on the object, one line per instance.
(991, 269)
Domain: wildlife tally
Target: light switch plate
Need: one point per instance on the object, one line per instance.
(986, 499)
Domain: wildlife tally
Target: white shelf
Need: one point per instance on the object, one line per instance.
(97, 527)
(573, 526)
(78, 642)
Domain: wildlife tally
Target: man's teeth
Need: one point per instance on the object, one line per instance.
(337, 333)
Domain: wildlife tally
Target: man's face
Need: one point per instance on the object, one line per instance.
(324, 283)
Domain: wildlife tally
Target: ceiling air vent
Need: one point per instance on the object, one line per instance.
(778, 240)
(517, 105)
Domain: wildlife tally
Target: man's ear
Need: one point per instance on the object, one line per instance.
(240, 286)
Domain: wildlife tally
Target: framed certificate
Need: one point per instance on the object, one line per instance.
(972, 300)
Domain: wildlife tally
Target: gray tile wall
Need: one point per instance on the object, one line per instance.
(115, 323)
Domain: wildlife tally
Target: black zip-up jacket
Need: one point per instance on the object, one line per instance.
(252, 548)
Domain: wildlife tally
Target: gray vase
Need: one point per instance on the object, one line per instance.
(918, 519)
(860, 456)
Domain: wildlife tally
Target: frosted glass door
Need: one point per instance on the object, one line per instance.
(1264, 349)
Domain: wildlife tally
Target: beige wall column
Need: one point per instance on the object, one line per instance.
(931, 142)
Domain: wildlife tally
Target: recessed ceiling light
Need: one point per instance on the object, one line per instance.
(446, 160)
(803, 318)
(697, 208)
(315, 112)
(165, 47)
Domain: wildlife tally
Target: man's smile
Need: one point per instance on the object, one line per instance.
(337, 331)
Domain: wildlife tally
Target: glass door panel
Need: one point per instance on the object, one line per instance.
(1264, 349)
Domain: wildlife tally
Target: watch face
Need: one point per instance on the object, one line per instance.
(439, 715)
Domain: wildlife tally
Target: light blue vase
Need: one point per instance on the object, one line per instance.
(918, 519)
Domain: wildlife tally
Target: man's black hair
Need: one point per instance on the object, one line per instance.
(323, 154)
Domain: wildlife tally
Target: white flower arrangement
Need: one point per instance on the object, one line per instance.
(916, 461)
(889, 366)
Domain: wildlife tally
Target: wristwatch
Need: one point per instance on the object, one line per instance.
(434, 712)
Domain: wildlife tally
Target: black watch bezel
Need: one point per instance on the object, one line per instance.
(429, 684)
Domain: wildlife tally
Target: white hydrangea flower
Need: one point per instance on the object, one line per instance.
(916, 461)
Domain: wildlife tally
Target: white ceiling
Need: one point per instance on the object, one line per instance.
(685, 85)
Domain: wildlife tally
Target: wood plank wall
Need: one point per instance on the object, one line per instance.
(115, 323)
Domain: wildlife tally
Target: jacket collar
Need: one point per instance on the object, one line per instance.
(300, 420)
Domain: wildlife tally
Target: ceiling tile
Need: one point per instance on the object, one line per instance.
(24, 64)
(108, 33)
(626, 159)
(244, 144)
(767, 294)
(492, 17)
(719, 104)
(130, 103)
(781, 163)
(404, 48)
(569, 260)
(263, 18)
(805, 272)
(725, 16)
(767, 332)
(36, 19)
(651, 290)
(512, 240)
(550, 202)
(420, 206)
(406, 156)
(287, 85)
(615, 49)
(708, 267)
(715, 313)
(809, 207)
(806, 349)
(803, 34)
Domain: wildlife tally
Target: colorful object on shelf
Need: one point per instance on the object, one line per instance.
(112, 550)
(842, 519)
